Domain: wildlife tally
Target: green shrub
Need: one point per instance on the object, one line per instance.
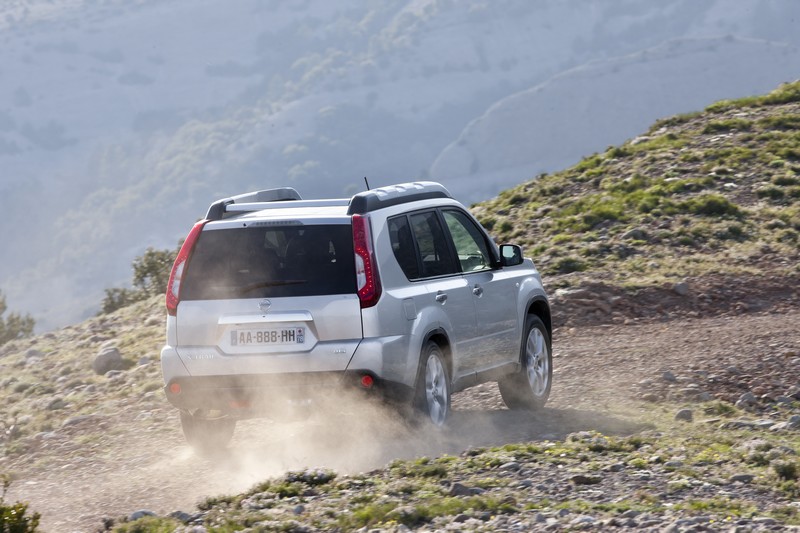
(14, 326)
(786, 470)
(711, 205)
(724, 126)
(566, 265)
(14, 517)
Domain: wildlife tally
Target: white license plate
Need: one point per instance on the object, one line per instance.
(268, 337)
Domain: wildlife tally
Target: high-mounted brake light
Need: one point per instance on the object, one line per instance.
(367, 280)
(174, 284)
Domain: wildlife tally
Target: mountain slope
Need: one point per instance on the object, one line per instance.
(120, 121)
(540, 129)
(655, 420)
(713, 192)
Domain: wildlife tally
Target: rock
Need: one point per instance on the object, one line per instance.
(669, 376)
(742, 478)
(681, 288)
(794, 422)
(457, 489)
(583, 479)
(136, 515)
(56, 404)
(181, 516)
(32, 352)
(108, 359)
(154, 321)
(684, 415)
(299, 509)
(460, 518)
(635, 234)
(746, 401)
(513, 465)
(650, 397)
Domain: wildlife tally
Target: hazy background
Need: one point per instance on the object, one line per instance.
(121, 120)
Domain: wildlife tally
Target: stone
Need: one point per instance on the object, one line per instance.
(181, 516)
(669, 376)
(299, 509)
(684, 415)
(513, 465)
(32, 352)
(457, 489)
(108, 359)
(635, 234)
(746, 401)
(136, 515)
(742, 478)
(681, 288)
(584, 479)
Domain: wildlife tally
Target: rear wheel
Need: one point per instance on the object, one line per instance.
(530, 387)
(207, 434)
(432, 395)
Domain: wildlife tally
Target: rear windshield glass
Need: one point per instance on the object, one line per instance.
(280, 261)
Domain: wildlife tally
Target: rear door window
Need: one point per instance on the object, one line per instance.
(273, 261)
(428, 253)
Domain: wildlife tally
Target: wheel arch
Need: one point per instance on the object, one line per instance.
(539, 307)
(440, 337)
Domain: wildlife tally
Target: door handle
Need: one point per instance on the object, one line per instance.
(441, 297)
(477, 290)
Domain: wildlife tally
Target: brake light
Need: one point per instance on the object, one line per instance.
(174, 284)
(367, 280)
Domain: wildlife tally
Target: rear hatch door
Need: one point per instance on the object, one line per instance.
(269, 297)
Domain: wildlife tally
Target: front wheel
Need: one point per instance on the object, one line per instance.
(432, 395)
(207, 435)
(530, 387)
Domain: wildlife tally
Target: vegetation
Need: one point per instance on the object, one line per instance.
(13, 326)
(151, 272)
(699, 193)
(14, 518)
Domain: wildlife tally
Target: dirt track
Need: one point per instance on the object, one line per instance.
(141, 461)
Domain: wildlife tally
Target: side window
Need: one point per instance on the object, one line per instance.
(434, 253)
(403, 246)
(469, 241)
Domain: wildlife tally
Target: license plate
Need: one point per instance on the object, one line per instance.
(268, 337)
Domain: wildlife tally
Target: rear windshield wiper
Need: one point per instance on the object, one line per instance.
(265, 284)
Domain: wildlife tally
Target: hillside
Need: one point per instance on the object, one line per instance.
(672, 264)
(703, 194)
(121, 120)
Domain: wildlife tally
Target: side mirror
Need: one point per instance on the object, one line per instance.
(510, 255)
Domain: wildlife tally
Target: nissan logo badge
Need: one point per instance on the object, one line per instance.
(264, 305)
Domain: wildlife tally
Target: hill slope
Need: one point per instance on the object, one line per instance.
(121, 120)
(711, 196)
(711, 192)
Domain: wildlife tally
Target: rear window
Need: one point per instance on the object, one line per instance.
(273, 261)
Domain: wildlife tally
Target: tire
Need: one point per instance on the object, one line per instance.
(432, 394)
(529, 388)
(207, 435)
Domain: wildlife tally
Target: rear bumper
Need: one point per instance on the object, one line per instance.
(249, 396)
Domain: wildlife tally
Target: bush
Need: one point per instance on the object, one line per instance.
(13, 517)
(14, 326)
(151, 272)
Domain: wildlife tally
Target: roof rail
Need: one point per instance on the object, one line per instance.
(402, 193)
(217, 210)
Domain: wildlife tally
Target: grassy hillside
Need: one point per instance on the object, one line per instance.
(713, 191)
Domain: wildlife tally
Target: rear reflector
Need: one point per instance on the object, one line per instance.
(175, 388)
(367, 381)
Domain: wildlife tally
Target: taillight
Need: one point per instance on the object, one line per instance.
(367, 280)
(174, 284)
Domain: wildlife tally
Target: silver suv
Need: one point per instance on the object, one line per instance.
(397, 291)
